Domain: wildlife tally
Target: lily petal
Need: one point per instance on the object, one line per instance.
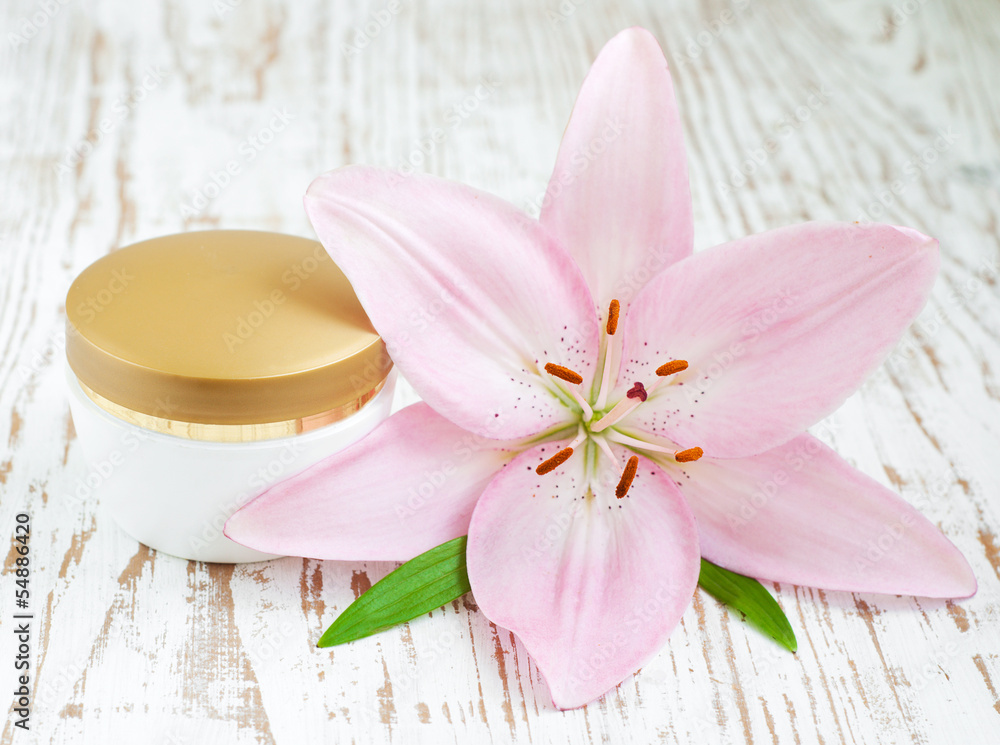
(619, 197)
(407, 487)
(472, 297)
(592, 585)
(801, 514)
(778, 329)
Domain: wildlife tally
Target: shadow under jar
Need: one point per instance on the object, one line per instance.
(204, 367)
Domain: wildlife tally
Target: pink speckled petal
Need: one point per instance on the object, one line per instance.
(779, 328)
(801, 514)
(619, 198)
(471, 296)
(592, 585)
(407, 487)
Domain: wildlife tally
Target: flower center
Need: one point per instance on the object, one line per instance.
(601, 429)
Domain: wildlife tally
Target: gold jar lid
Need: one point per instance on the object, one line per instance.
(222, 328)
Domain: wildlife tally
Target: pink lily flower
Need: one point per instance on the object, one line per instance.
(601, 407)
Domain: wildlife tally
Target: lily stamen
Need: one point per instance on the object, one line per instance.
(632, 442)
(613, 310)
(588, 412)
(563, 373)
(610, 353)
(627, 476)
(617, 413)
(686, 456)
(681, 456)
(671, 368)
(547, 466)
(574, 378)
(606, 449)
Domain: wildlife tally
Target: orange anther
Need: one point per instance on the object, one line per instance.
(686, 456)
(546, 466)
(672, 367)
(563, 373)
(627, 476)
(613, 311)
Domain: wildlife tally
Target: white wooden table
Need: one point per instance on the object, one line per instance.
(114, 116)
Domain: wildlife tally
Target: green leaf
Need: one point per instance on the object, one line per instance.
(749, 597)
(422, 584)
(439, 576)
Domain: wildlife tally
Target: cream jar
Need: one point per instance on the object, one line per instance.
(205, 367)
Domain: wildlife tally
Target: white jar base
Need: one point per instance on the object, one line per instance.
(174, 494)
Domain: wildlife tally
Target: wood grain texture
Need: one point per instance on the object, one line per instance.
(132, 646)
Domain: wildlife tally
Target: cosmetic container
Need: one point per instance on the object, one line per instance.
(206, 366)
